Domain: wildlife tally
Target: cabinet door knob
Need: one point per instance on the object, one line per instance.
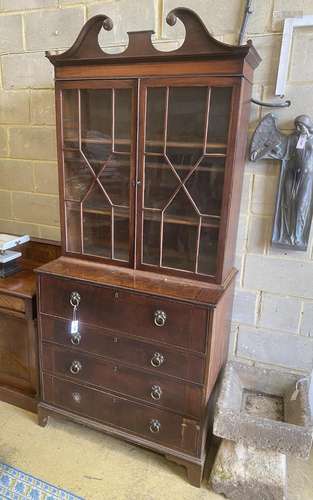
(159, 318)
(156, 392)
(155, 426)
(75, 367)
(157, 359)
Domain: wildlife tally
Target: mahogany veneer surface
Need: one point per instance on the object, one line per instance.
(143, 379)
(19, 378)
(131, 351)
(142, 281)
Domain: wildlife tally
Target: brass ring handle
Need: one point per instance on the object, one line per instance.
(157, 359)
(156, 392)
(155, 426)
(75, 299)
(75, 367)
(75, 339)
(159, 318)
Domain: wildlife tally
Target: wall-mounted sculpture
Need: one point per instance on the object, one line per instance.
(294, 201)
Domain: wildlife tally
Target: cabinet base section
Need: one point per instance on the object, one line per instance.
(194, 470)
(18, 398)
(193, 465)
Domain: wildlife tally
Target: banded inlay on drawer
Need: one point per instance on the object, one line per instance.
(152, 388)
(149, 422)
(160, 358)
(135, 314)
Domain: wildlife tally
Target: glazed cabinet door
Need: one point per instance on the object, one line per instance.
(97, 144)
(184, 156)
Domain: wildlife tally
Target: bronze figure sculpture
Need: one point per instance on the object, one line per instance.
(294, 201)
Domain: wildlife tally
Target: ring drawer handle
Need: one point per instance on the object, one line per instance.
(157, 359)
(155, 426)
(75, 339)
(75, 299)
(159, 318)
(75, 367)
(156, 392)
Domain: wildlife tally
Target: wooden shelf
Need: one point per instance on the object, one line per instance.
(157, 166)
(100, 162)
(170, 144)
(95, 250)
(104, 212)
(184, 144)
(189, 222)
(173, 219)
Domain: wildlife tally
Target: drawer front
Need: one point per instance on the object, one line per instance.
(182, 324)
(151, 423)
(12, 303)
(95, 340)
(106, 374)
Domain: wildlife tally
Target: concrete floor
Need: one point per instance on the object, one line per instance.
(99, 467)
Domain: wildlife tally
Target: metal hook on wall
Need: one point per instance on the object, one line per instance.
(247, 13)
(285, 104)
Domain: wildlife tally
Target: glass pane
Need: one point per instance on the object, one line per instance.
(186, 115)
(97, 234)
(96, 199)
(219, 115)
(96, 155)
(123, 114)
(186, 127)
(160, 182)
(156, 104)
(96, 126)
(115, 178)
(151, 237)
(183, 159)
(70, 118)
(182, 208)
(121, 234)
(205, 185)
(180, 233)
(77, 176)
(187, 181)
(208, 248)
(73, 228)
(97, 170)
(179, 246)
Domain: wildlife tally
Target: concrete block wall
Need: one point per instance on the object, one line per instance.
(273, 309)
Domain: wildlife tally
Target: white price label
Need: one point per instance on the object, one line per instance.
(74, 327)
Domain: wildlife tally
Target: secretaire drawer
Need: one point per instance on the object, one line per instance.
(151, 423)
(109, 375)
(135, 314)
(159, 358)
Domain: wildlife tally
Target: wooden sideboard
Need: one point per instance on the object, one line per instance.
(19, 381)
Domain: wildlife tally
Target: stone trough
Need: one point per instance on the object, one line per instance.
(244, 473)
(266, 409)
